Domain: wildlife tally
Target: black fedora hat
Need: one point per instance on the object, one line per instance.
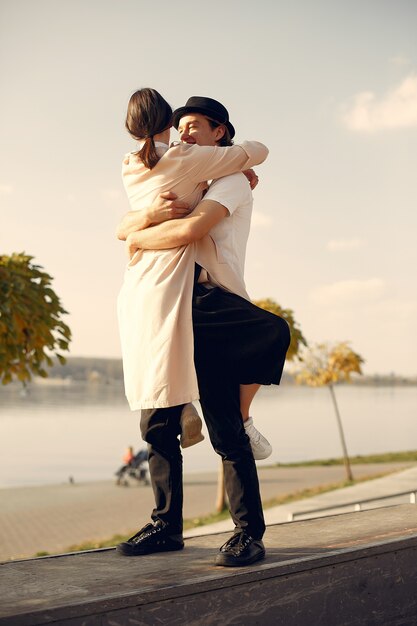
(205, 106)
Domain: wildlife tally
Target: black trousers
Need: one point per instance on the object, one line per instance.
(235, 343)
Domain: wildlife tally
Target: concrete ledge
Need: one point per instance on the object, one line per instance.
(353, 569)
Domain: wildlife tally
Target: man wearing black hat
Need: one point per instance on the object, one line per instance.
(236, 343)
(208, 108)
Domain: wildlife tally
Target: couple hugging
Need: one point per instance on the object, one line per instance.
(188, 328)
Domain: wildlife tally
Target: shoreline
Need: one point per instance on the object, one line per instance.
(399, 457)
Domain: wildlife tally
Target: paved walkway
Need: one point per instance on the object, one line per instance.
(55, 517)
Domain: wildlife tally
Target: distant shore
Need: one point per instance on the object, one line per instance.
(110, 370)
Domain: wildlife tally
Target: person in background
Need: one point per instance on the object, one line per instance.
(128, 456)
(127, 460)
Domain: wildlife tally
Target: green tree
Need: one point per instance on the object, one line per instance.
(31, 326)
(323, 365)
(297, 338)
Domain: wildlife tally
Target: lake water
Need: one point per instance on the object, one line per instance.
(81, 430)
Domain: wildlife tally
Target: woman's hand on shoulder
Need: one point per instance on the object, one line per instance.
(252, 178)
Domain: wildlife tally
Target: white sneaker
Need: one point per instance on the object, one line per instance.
(261, 447)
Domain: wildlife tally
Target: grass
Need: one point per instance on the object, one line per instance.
(283, 499)
(387, 457)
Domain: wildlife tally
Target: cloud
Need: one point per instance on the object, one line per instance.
(336, 245)
(6, 190)
(399, 60)
(347, 292)
(259, 220)
(396, 109)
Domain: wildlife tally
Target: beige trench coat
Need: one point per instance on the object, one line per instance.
(155, 302)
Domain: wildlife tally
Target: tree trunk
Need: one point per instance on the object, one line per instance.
(221, 492)
(342, 435)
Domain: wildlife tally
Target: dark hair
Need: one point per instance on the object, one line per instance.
(148, 114)
(226, 140)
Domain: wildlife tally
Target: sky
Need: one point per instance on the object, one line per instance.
(329, 86)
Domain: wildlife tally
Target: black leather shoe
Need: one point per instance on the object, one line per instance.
(154, 537)
(241, 549)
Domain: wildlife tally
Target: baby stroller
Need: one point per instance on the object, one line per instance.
(137, 469)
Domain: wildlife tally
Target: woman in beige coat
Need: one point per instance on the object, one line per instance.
(154, 305)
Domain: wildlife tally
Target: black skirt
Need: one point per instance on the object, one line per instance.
(239, 339)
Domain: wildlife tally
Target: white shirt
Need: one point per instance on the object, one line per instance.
(231, 233)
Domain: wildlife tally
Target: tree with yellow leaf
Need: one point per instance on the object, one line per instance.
(30, 320)
(324, 365)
